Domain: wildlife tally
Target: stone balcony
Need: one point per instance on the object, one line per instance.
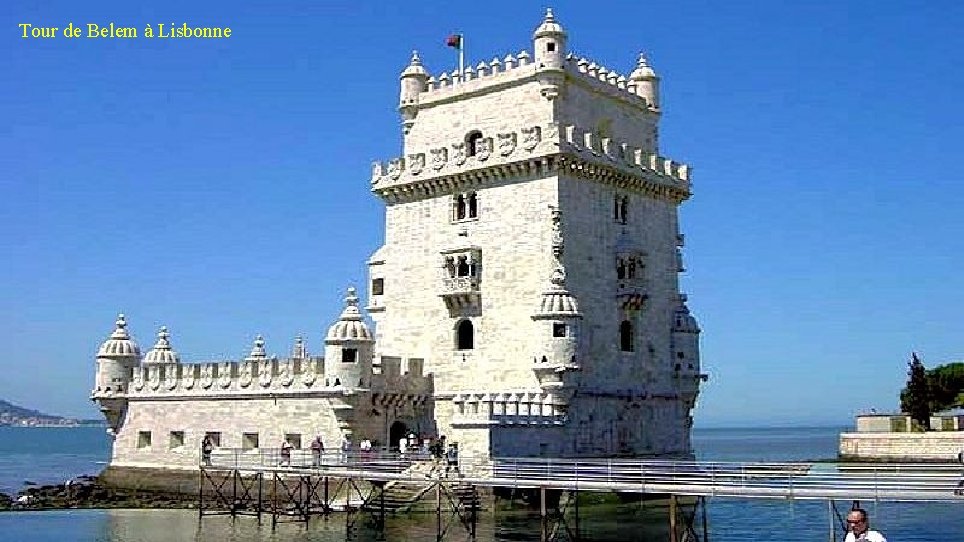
(460, 293)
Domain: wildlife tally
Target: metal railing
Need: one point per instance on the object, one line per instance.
(885, 482)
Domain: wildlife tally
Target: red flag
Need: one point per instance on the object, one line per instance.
(454, 40)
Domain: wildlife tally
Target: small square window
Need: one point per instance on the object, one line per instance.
(215, 437)
(349, 355)
(378, 286)
(143, 439)
(558, 330)
(177, 439)
(680, 355)
(551, 46)
(249, 441)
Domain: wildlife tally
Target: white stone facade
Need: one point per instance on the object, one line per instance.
(528, 284)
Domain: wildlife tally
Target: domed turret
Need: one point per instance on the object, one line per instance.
(413, 80)
(646, 82)
(119, 345)
(549, 42)
(162, 352)
(348, 347)
(257, 350)
(686, 342)
(557, 347)
(116, 358)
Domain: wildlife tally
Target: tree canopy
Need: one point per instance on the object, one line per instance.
(931, 390)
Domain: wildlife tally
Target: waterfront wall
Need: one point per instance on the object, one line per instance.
(932, 446)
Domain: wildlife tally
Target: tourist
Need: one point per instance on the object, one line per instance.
(402, 444)
(285, 454)
(206, 448)
(345, 449)
(317, 449)
(859, 529)
(452, 459)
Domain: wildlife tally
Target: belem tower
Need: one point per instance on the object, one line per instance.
(525, 302)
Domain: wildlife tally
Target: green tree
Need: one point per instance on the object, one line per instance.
(946, 386)
(915, 397)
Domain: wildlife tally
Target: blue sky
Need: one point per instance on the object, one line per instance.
(220, 187)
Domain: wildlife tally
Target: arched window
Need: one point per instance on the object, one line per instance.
(626, 336)
(465, 336)
(624, 209)
(472, 142)
(460, 207)
(620, 269)
(463, 270)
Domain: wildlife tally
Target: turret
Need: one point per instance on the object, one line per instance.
(558, 335)
(645, 82)
(686, 349)
(549, 42)
(348, 348)
(162, 353)
(116, 359)
(413, 81)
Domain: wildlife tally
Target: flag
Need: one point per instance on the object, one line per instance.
(454, 40)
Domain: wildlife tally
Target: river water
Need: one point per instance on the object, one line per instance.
(48, 455)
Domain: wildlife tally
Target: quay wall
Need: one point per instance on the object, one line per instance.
(932, 446)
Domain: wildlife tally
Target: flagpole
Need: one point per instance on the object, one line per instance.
(462, 57)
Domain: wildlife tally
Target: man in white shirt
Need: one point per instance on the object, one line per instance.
(858, 528)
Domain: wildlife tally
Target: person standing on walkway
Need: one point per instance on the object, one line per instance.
(285, 454)
(345, 449)
(317, 449)
(858, 528)
(206, 448)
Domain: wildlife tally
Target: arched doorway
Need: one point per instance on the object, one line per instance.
(396, 432)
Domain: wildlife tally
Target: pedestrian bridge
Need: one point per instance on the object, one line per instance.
(787, 481)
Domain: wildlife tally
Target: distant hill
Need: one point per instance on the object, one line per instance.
(11, 414)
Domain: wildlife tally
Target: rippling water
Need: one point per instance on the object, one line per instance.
(51, 455)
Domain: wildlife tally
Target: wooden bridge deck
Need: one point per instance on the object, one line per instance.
(788, 481)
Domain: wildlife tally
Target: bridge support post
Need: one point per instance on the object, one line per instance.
(672, 519)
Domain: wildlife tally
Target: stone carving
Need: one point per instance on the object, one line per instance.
(459, 156)
(246, 374)
(171, 377)
(287, 376)
(483, 148)
(154, 378)
(555, 215)
(416, 163)
(308, 374)
(224, 375)
(439, 157)
(531, 137)
(395, 168)
(264, 375)
(138, 379)
(377, 171)
(187, 378)
(507, 143)
(207, 375)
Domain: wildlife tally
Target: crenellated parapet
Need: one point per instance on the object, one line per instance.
(565, 149)
(507, 408)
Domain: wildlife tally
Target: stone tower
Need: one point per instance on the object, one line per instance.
(532, 253)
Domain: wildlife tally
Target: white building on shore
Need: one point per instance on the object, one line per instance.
(525, 301)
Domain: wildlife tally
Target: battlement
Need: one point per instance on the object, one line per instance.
(608, 80)
(527, 143)
(261, 377)
(507, 408)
